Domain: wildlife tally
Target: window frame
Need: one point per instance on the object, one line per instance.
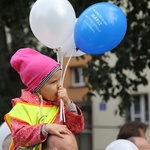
(81, 82)
(143, 99)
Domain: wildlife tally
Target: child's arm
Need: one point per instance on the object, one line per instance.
(75, 122)
(74, 116)
(26, 135)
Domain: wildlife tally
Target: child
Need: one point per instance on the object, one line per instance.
(35, 115)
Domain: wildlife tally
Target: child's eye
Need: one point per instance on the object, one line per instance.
(52, 82)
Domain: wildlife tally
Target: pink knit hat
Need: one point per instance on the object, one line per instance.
(34, 68)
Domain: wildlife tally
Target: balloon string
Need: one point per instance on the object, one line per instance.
(59, 55)
(67, 66)
(62, 60)
(62, 114)
(62, 111)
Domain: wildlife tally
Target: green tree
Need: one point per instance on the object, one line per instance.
(14, 21)
(14, 17)
(133, 54)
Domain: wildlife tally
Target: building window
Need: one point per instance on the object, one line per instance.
(139, 110)
(77, 77)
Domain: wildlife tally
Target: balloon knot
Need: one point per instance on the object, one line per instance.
(77, 49)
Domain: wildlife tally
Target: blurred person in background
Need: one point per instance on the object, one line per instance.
(132, 129)
(140, 142)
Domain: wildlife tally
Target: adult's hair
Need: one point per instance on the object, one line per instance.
(132, 128)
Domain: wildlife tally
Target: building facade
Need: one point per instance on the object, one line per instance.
(101, 123)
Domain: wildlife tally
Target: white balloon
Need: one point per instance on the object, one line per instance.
(121, 144)
(4, 132)
(52, 21)
(69, 48)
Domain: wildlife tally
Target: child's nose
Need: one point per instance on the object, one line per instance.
(58, 84)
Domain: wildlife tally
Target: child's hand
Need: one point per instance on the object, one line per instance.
(57, 129)
(62, 94)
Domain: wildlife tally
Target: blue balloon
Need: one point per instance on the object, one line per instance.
(100, 28)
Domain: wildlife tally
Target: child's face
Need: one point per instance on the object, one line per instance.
(50, 89)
